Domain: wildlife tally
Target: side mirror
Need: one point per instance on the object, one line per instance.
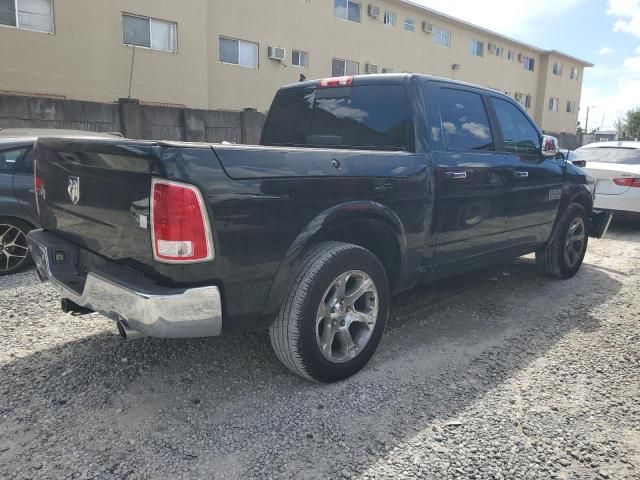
(550, 147)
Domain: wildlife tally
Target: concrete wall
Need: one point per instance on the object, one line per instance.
(132, 119)
(85, 59)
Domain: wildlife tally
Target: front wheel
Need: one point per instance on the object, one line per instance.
(334, 315)
(562, 257)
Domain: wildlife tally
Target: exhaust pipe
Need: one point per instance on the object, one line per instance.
(128, 334)
(73, 308)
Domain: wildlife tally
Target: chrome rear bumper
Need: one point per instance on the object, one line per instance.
(126, 296)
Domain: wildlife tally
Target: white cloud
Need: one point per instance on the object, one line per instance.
(610, 103)
(632, 64)
(605, 51)
(508, 17)
(618, 87)
(627, 14)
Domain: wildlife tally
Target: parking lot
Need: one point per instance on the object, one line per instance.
(498, 374)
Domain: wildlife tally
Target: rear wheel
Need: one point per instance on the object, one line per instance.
(14, 250)
(562, 257)
(335, 313)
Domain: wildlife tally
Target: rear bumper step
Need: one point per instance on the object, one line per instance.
(599, 222)
(126, 296)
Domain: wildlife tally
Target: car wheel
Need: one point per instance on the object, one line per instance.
(562, 257)
(334, 315)
(14, 250)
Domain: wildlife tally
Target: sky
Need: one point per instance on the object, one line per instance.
(603, 32)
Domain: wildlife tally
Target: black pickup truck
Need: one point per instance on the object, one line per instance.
(361, 187)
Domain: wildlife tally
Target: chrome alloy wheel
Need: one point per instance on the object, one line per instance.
(575, 242)
(347, 316)
(13, 247)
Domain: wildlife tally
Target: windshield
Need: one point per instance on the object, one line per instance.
(620, 155)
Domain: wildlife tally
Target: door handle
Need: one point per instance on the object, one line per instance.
(456, 175)
(518, 174)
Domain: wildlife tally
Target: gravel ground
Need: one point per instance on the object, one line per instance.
(499, 374)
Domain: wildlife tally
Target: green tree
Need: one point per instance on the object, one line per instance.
(633, 123)
(620, 126)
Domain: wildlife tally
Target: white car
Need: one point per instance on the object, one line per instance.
(616, 166)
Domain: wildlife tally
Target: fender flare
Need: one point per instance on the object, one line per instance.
(574, 192)
(315, 231)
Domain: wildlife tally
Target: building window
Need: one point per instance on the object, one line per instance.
(441, 37)
(34, 15)
(238, 52)
(409, 26)
(573, 75)
(557, 69)
(347, 10)
(553, 104)
(571, 107)
(390, 18)
(510, 55)
(149, 33)
(528, 63)
(527, 102)
(342, 68)
(499, 51)
(476, 48)
(299, 59)
(386, 70)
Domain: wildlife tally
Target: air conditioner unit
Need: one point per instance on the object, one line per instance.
(276, 53)
(427, 27)
(371, 68)
(374, 11)
(493, 47)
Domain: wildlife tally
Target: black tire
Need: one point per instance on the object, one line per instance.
(14, 266)
(552, 260)
(293, 334)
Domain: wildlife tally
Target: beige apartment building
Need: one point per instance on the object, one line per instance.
(234, 54)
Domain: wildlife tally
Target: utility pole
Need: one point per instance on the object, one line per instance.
(586, 125)
(133, 59)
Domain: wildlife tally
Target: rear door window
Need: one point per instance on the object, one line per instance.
(519, 135)
(365, 116)
(464, 123)
(9, 159)
(24, 165)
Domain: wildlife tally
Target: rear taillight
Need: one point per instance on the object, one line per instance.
(179, 223)
(335, 82)
(38, 183)
(627, 182)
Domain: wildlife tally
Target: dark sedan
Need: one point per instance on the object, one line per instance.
(18, 213)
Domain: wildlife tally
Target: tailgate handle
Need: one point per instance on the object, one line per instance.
(518, 174)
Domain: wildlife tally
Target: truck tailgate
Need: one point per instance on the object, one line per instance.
(95, 193)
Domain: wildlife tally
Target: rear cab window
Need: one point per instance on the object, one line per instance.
(371, 117)
(620, 155)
